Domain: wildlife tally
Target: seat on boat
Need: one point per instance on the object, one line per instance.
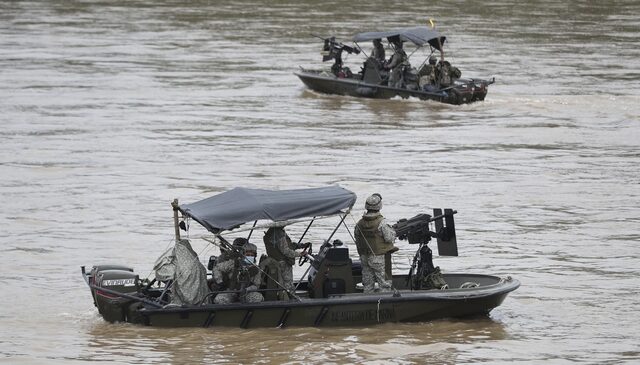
(331, 272)
(372, 72)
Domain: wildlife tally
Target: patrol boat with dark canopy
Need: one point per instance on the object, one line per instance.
(328, 294)
(373, 79)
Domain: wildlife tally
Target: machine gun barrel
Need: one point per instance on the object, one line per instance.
(323, 38)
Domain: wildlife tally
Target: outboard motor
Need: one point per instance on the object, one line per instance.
(121, 279)
(330, 272)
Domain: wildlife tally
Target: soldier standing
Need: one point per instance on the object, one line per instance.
(396, 65)
(236, 272)
(280, 248)
(378, 51)
(374, 239)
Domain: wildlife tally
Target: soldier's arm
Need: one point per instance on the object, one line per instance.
(219, 270)
(393, 61)
(257, 280)
(387, 231)
(286, 251)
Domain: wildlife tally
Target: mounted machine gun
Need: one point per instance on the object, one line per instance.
(416, 231)
(332, 50)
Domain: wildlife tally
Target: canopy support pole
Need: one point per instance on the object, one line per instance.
(251, 231)
(338, 226)
(305, 231)
(441, 48)
(174, 204)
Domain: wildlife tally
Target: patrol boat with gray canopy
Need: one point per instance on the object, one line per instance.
(328, 294)
(436, 80)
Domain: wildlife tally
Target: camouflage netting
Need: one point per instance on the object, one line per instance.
(180, 264)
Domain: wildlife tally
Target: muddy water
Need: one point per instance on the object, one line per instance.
(110, 109)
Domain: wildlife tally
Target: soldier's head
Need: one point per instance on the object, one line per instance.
(250, 252)
(239, 242)
(377, 42)
(395, 41)
(373, 203)
(433, 60)
(275, 234)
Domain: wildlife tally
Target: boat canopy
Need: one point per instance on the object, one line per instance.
(241, 205)
(418, 35)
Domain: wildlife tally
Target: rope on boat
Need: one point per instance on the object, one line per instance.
(505, 279)
(469, 285)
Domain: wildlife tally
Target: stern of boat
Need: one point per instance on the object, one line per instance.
(470, 90)
(105, 283)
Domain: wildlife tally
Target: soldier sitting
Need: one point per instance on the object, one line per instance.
(446, 74)
(427, 75)
(237, 271)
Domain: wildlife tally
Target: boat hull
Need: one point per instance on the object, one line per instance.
(464, 92)
(355, 309)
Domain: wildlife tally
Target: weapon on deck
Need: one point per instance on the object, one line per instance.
(416, 231)
(332, 49)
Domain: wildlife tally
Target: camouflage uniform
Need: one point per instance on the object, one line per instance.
(427, 75)
(373, 272)
(378, 51)
(227, 275)
(286, 273)
(280, 247)
(446, 73)
(396, 66)
(374, 239)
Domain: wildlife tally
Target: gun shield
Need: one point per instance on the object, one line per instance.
(446, 233)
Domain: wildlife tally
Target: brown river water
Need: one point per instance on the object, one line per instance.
(110, 109)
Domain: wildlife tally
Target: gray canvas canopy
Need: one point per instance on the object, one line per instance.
(241, 205)
(417, 35)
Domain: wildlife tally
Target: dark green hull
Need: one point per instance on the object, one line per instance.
(354, 309)
(464, 92)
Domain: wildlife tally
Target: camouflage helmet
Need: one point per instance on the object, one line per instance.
(433, 60)
(240, 242)
(275, 234)
(250, 247)
(374, 202)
